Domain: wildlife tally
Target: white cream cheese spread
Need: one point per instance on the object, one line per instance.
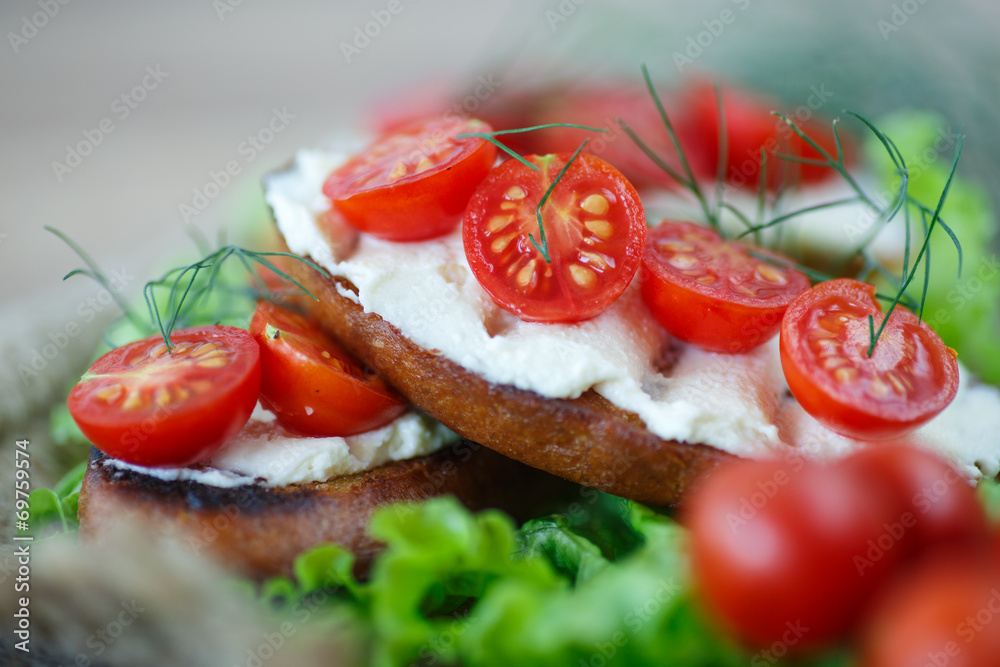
(737, 403)
(266, 453)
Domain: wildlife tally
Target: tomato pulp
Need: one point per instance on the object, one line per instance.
(414, 183)
(713, 293)
(311, 384)
(147, 406)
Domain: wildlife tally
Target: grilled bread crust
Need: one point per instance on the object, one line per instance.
(587, 440)
(258, 531)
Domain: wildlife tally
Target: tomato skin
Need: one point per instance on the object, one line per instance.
(184, 430)
(859, 398)
(602, 106)
(716, 316)
(944, 612)
(774, 547)
(591, 265)
(423, 202)
(311, 392)
(937, 506)
(750, 126)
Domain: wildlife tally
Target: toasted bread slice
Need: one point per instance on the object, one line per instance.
(258, 531)
(587, 440)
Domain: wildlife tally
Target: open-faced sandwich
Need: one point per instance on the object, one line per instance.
(488, 312)
(628, 359)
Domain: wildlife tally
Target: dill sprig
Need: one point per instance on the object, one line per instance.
(93, 271)
(902, 201)
(924, 250)
(492, 138)
(184, 291)
(544, 247)
(687, 180)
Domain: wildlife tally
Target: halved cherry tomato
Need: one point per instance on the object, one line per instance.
(712, 292)
(311, 384)
(412, 184)
(825, 336)
(775, 547)
(143, 405)
(750, 126)
(594, 225)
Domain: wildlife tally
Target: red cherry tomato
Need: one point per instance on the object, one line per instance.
(712, 292)
(594, 225)
(750, 126)
(946, 613)
(412, 184)
(774, 547)
(311, 384)
(825, 337)
(937, 506)
(143, 405)
(602, 106)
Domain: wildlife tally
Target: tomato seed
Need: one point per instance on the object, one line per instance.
(771, 274)
(500, 244)
(526, 275)
(110, 393)
(845, 374)
(498, 223)
(161, 396)
(596, 204)
(582, 276)
(683, 261)
(602, 229)
(515, 193)
(397, 172)
(594, 259)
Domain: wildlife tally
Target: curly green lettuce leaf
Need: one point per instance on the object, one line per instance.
(454, 587)
(965, 311)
